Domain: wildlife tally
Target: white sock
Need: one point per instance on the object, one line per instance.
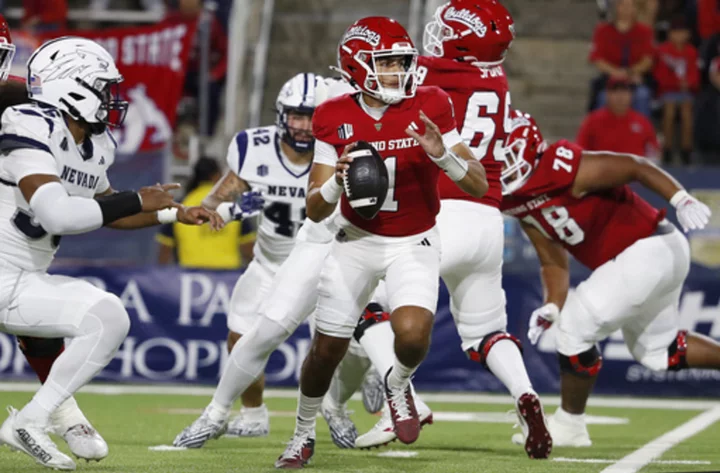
(399, 375)
(217, 412)
(44, 403)
(379, 345)
(505, 361)
(565, 417)
(307, 410)
(247, 360)
(259, 413)
(68, 414)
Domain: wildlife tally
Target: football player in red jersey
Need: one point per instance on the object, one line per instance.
(578, 202)
(68, 421)
(467, 41)
(414, 129)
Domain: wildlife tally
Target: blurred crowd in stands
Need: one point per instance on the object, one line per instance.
(657, 92)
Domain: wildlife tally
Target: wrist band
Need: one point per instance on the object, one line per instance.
(167, 215)
(331, 191)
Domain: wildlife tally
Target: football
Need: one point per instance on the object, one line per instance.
(366, 180)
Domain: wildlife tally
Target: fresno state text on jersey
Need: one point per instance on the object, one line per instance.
(481, 97)
(594, 228)
(412, 200)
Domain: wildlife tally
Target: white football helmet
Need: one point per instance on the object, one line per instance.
(301, 95)
(79, 77)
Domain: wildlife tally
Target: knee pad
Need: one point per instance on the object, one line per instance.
(480, 353)
(40, 347)
(373, 314)
(585, 365)
(677, 352)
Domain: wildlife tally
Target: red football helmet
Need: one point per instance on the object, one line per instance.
(373, 38)
(523, 146)
(7, 49)
(478, 31)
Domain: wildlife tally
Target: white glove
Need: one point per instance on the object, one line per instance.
(691, 213)
(541, 320)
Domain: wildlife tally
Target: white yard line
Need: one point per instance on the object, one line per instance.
(650, 451)
(454, 398)
(607, 460)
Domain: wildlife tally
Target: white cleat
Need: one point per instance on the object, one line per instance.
(200, 431)
(34, 441)
(383, 433)
(342, 429)
(373, 392)
(84, 441)
(252, 422)
(569, 430)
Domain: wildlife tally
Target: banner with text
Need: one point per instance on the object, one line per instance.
(178, 335)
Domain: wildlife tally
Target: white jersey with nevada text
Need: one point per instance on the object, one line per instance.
(32, 129)
(256, 156)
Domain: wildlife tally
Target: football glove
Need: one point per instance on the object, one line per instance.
(541, 320)
(691, 213)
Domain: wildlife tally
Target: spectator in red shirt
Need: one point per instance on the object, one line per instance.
(43, 15)
(708, 18)
(616, 127)
(191, 9)
(623, 49)
(678, 77)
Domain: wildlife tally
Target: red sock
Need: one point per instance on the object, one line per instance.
(41, 353)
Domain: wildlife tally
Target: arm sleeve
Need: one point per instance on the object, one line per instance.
(325, 153)
(61, 214)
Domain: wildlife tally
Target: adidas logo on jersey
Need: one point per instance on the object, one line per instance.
(345, 131)
(468, 18)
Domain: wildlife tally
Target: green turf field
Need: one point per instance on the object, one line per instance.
(132, 423)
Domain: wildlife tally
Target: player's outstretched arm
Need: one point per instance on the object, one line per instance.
(173, 213)
(61, 214)
(227, 189)
(554, 266)
(458, 162)
(603, 170)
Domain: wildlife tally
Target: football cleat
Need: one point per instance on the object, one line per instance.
(373, 394)
(298, 452)
(383, 433)
(537, 440)
(402, 412)
(200, 431)
(342, 428)
(568, 430)
(84, 441)
(34, 441)
(252, 422)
